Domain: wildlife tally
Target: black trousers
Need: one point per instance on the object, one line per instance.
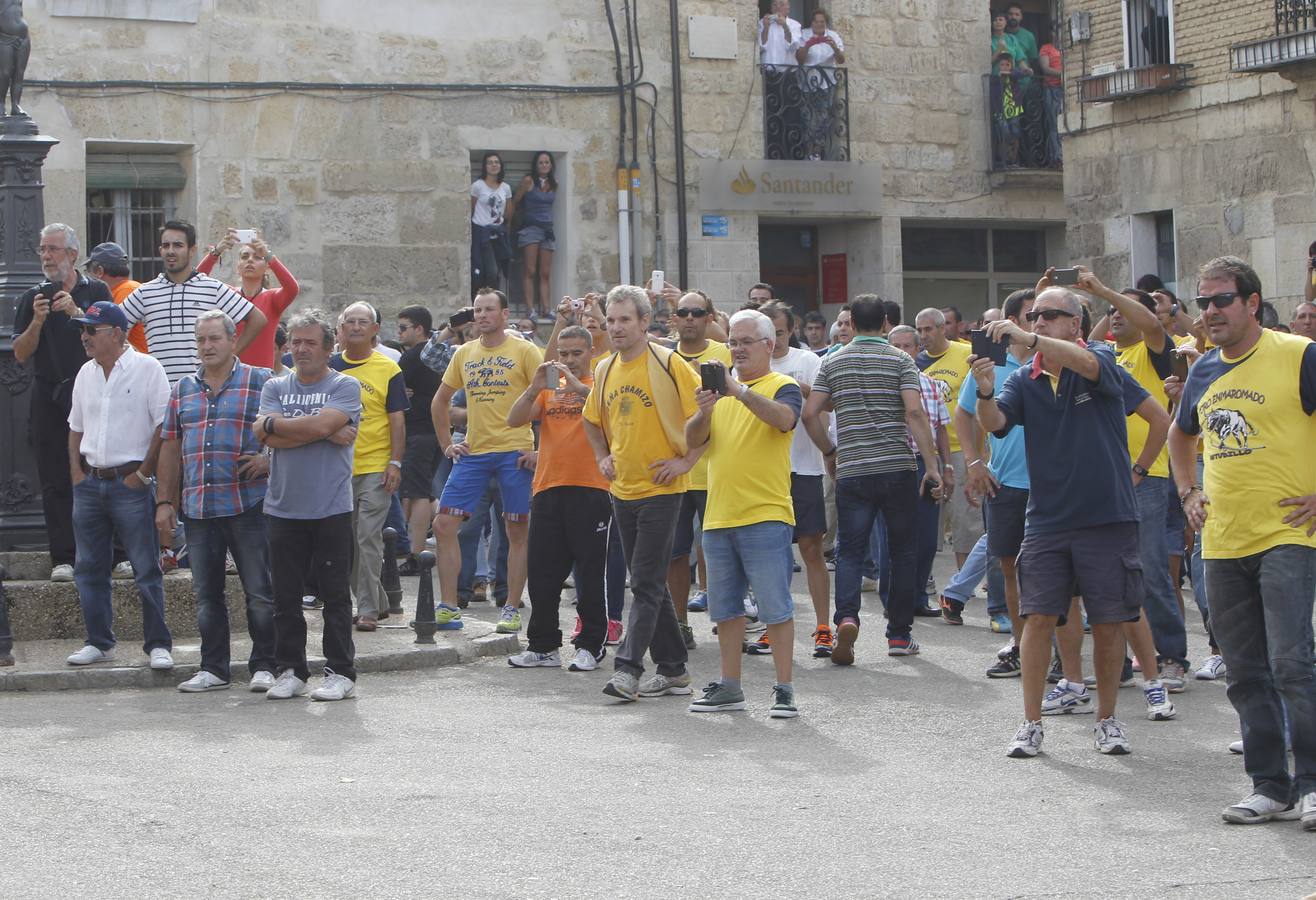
(568, 528)
(49, 434)
(324, 546)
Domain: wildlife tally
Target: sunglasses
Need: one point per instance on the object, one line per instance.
(1050, 315)
(1219, 301)
(687, 313)
(92, 329)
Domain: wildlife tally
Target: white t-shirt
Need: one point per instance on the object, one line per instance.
(779, 49)
(820, 54)
(802, 365)
(490, 203)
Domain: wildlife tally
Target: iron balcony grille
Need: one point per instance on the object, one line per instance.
(1294, 40)
(1122, 83)
(806, 112)
(1021, 118)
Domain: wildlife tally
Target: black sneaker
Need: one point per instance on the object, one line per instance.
(1007, 666)
(1057, 671)
(409, 566)
(952, 611)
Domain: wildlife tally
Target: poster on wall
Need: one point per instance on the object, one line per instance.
(835, 281)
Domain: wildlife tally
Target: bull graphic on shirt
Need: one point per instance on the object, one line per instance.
(1230, 424)
(943, 389)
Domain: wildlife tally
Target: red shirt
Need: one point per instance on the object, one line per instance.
(1051, 54)
(272, 302)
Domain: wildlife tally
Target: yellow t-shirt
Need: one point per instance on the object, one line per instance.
(1137, 361)
(699, 474)
(948, 372)
(634, 429)
(1259, 442)
(383, 391)
(493, 378)
(749, 461)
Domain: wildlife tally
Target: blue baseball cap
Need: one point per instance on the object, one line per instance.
(103, 312)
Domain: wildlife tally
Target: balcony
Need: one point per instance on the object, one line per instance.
(806, 113)
(1294, 40)
(1021, 118)
(1135, 82)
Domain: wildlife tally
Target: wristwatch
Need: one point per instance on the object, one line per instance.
(1139, 471)
(395, 462)
(982, 396)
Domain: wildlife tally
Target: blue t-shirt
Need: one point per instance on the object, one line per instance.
(313, 481)
(1076, 444)
(1008, 463)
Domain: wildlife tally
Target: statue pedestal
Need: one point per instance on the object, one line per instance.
(22, 214)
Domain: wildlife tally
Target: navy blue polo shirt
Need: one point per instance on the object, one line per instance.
(1075, 442)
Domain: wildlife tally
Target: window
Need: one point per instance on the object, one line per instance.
(968, 267)
(1151, 247)
(129, 197)
(1148, 33)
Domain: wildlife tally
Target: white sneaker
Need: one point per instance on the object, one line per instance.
(868, 586)
(1212, 667)
(751, 608)
(286, 685)
(62, 572)
(123, 571)
(1027, 741)
(161, 659)
(334, 687)
(1159, 706)
(89, 654)
(1309, 811)
(1109, 737)
(1066, 698)
(529, 659)
(583, 661)
(203, 681)
(1236, 746)
(1257, 808)
(261, 682)
(656, 685)
(1173, 677)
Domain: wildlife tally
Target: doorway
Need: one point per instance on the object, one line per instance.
(788, 260)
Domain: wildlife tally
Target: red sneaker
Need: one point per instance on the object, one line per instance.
(168, 561)
(575, 632)
(614, 632)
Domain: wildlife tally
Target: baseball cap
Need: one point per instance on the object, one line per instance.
(103, 312)
(107, 254)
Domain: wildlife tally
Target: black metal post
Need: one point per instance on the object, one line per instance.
(6, 636)
(424, 624)
(388, 576)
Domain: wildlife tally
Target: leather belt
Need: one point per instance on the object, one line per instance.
(113, 472)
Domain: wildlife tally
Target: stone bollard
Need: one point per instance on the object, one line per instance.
(424, 624)
(388, 576)
(6, 636)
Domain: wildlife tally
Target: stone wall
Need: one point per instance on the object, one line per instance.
(1232, 155)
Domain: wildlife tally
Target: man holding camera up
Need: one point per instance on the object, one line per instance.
(570, 511)
(747, 427)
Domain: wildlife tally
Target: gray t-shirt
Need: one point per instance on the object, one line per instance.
(313, 481)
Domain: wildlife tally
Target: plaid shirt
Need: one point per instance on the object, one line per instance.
(215, 431)
(437, 354)
(934, 406)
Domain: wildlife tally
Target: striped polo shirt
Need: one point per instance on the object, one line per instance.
(865, 381)
(169, 312)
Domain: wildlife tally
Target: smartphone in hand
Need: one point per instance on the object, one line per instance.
(713, 377)
(1064, 276)
(462, 317)
(1178, 365)
(985, 346)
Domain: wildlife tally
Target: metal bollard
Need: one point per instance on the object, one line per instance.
(424, 624)
(6, 636)
(388, 576)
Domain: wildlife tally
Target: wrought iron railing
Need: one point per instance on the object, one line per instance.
(806, 112)
(1294, 40)
(1293, 16)
(1021, 116)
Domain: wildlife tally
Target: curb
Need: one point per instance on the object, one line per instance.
(116, 677)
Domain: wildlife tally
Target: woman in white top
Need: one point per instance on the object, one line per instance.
(491, 210)
(819, 49)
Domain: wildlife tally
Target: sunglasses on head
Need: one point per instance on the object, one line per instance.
(1219, 301)
(687, 313)
(1049, 315)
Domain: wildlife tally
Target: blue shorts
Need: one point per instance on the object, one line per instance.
(470, 477)
(754, 556)
(692, 503)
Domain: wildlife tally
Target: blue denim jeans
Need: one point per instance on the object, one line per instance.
(878, 563)
(753, 557)
(488, 514)
(1053, 101)
(398, 522)
(859, 499)
(1160, 604)
(1261, 609)
(102, 509)
(1196, 571)
(245, 536)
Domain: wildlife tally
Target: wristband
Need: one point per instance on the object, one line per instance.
(269, 425)
(164, 503)
(976, 462)
(395, 462)
(1033, 345)
(982, 396)
(1183, 495)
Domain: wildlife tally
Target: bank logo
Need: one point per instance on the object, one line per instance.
(743, 183)
(1231, 425)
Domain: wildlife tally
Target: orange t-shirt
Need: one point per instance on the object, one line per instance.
(136, 334)
(565, 456)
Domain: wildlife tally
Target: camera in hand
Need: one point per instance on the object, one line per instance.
(985, 346)
(1064, 276)
(462, 317)
(48, 289)
(713, 377)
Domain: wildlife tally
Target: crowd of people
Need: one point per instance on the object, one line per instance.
(1076, 462)
(1027, 94)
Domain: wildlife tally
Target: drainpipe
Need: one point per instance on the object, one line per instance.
(678, 127)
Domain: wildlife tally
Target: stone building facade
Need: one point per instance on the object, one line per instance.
(1172, 161)
(206, 108)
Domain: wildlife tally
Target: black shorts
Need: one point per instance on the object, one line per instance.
(810, 510)
(1102, 564)
(1005, 522)
(419, 463)
(691, 502)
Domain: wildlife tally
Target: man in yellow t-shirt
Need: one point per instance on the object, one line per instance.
(946, 363)
(694, 312)
(635, 422)
(493, 371)
(750, 520)
(376, 455)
